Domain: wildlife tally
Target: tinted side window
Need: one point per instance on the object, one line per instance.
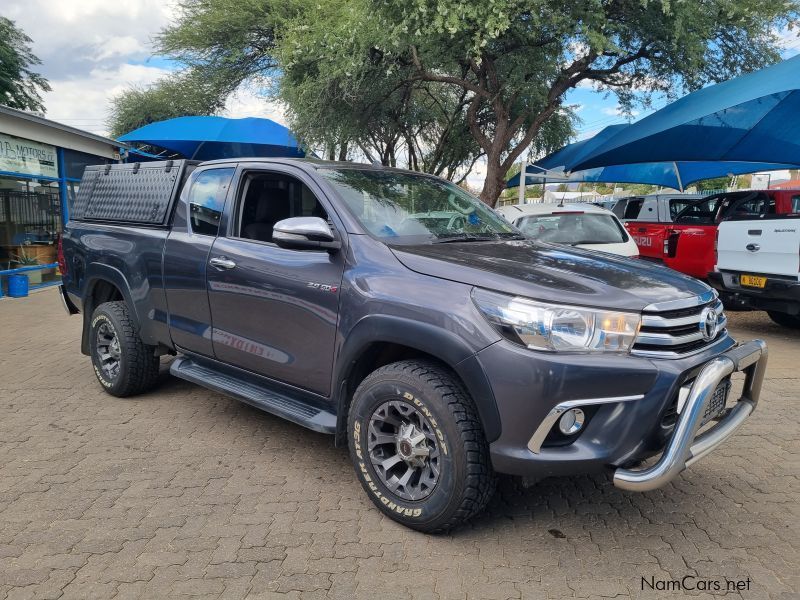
(207, 199)
(633, 208)
(267, 198)
(795, 204)
(702, 212)
(676, 206)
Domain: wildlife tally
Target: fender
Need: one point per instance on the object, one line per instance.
(96, 272)
(438, 342)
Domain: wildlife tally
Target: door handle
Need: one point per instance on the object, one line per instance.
(222, 263)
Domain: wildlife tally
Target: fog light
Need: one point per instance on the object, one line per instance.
(571, 421)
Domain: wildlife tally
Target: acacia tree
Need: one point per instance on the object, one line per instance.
(20, 86)
(187, 93)
(516, 59)
(346, 66)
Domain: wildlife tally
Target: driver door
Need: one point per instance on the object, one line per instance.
(274, 310)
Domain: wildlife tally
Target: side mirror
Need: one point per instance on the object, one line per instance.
(304, 233)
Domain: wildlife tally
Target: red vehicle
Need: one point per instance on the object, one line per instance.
(688, 243)
(647, 218)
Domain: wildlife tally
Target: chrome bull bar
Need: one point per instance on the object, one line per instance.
(685, 446)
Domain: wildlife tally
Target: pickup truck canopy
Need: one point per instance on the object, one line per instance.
(131, 193)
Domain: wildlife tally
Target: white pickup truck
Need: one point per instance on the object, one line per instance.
(758, 266)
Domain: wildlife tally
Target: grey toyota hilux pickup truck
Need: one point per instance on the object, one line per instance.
(398, 313)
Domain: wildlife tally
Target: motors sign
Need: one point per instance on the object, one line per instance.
(27, 157)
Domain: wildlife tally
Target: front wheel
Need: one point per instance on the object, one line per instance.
(784, 319)
(418, 446)
(123, 363)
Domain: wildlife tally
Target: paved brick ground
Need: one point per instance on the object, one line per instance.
(183, 492)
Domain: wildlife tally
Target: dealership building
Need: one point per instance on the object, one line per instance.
(41, 164)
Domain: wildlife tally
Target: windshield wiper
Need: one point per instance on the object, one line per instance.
(591, 242)
(462, 237)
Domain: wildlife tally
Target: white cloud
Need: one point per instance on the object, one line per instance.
(83, 102)
(249, 103)
(70, 35)
(616, 111)
(91, 50)
(121, 46)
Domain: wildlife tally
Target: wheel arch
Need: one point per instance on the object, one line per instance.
(382, 339)
(104, 283)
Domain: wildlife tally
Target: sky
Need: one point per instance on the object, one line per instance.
(92, 50)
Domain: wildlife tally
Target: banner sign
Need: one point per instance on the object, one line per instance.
(27, 157)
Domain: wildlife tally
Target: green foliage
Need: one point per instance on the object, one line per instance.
(640, 189)
(438, 82)
(23, 259)
(519, 57)
(718, 183)
(20, 86)
(189, 93)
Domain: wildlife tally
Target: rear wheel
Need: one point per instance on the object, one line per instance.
(123, 363)
(418, 446)
(785, 319)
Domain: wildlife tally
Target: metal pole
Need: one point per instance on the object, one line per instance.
(522, 179)
(678, 176)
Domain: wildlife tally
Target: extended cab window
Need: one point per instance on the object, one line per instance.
(207, 199)
(676, 206)
(267, 198)
(633, 207)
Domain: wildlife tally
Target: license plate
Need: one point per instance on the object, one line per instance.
(716, 404)
(753, 281)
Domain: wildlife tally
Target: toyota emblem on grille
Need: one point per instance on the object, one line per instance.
(709, 324)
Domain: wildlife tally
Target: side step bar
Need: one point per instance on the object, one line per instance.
(255, 395)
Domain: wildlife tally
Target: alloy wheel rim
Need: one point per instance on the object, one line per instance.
(403, 450)
(108, 350)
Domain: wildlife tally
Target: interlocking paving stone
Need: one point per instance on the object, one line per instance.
(184, 493)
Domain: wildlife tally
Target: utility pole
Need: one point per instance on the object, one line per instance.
(522, 177)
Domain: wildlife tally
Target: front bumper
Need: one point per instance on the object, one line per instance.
(630, 404)
(782, 295)
(685, 446)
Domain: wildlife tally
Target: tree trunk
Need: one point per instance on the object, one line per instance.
(495, 182)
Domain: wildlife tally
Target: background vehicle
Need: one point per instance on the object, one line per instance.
(691, 238)
(320, 292)
(581, 225)
(684, 240)
(758, 265)
(647, 218)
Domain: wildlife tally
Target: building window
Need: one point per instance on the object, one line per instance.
(76, 162)
(30, 218)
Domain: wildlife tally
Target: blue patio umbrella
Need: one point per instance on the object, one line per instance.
(753, 118)
(557, 167)
(676, 175)
(207, 138)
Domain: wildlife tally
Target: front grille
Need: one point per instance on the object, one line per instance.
(676, 328)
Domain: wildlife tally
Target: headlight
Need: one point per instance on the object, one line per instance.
(541, 326)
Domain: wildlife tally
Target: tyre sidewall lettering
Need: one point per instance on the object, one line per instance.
(397, 505)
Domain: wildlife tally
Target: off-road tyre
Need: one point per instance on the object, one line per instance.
(784, 319)
(138, 366)
(466, 480)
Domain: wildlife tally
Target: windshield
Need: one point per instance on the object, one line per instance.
(573, 228)
(404, 208)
